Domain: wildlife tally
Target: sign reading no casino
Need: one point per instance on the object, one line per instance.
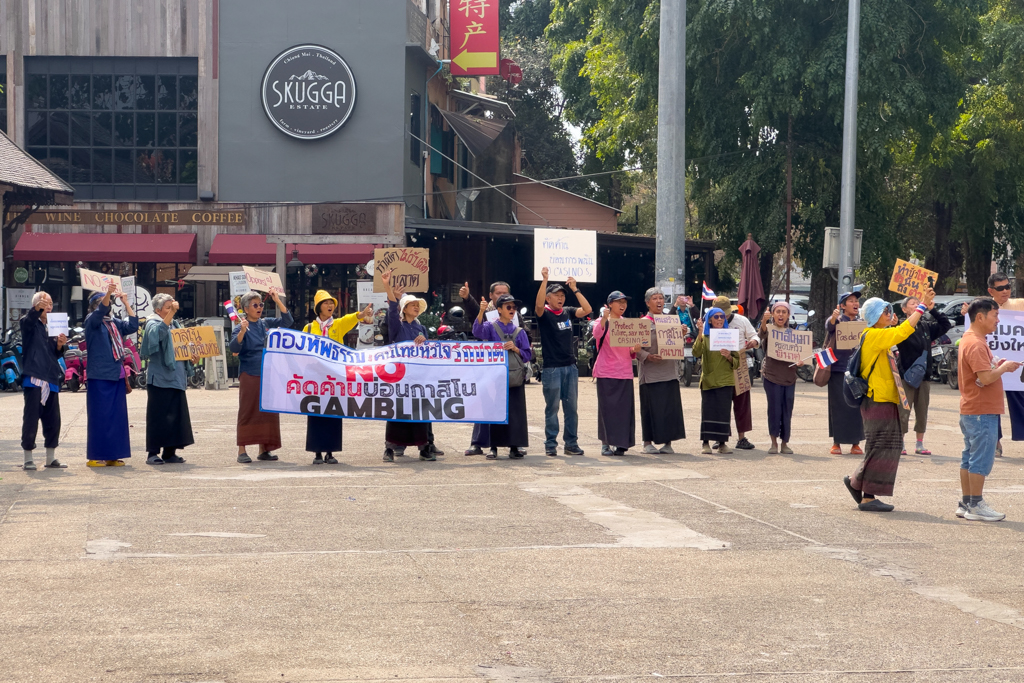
(308, 92)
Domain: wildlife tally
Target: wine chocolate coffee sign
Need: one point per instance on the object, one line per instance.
(308, 91)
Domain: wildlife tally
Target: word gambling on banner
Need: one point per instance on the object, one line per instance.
(910, 280)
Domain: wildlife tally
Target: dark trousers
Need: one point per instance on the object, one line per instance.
(36, 411)
(780, 408)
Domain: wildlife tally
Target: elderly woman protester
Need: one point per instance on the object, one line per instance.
(880, 409)
(844, 421)
(247, 340)
(403, 326)
(661, 406)
(779, 379)
(106, 401)
(41, 379)
(323, 434)
(616, 412)
(168, 424)
(748, 340)
(717, 383)
(515, 434)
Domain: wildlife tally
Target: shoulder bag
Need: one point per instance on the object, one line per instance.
(822, 375)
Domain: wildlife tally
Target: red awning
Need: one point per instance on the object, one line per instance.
(133, 247)
(253, 250)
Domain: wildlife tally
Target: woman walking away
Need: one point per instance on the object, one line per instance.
(876, 475)
(779, 379)
(844, 422)
(323, 434)
(717, 383)
(168, 424)
(247, 340)
(515, 434)
(106, 396)
(616, 413)
(403, 326)
(661, 406)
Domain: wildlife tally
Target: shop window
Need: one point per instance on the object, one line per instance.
(115, 128)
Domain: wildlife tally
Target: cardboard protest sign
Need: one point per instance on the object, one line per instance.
(742, 377)
(263, 280)
(670, 335)
(98, 282)
(725, 338)
(910, 280)
(565, 253)
(848, 334)
(195, 342)
(365, 295)
(56, 324)
(629, 332)
(238, 282)
(897, 378)
(409, 268)
(790, 345)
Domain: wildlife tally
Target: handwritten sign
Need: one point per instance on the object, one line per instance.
(263, 280)
(742, 377)
(789, 345)
(238, 282)
(56, 324)
(910, 280)
(565, 253)
(98, 282)
(848, 334)
(670, 335)
(194, 342)
(629, 332)
(409, 268)
(724, 339)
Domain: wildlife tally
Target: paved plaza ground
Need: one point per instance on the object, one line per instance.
(748, 566)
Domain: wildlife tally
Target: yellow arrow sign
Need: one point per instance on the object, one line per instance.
(467, 60)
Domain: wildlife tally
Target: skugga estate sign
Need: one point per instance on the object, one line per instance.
(308, 92)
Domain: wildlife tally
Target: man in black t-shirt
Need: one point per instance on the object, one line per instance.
(560, 376)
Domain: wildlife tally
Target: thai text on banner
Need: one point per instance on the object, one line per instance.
(1008, 342)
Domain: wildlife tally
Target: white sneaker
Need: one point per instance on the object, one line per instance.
(961, 510)
(651, 449)
(666, 449)
(983, 513)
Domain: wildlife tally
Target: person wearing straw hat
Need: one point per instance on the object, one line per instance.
(779, 379)
(717, 384)
(324, 434)
(748, 340)
(613, 369)
(844, 421)
(661, 406)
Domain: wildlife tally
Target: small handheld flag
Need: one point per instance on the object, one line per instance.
(825, 358)
(707, 294)
(229, 308)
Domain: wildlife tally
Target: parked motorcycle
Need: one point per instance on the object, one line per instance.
(949, 366)
(10, 362)
(75, 359)
(806, 371)
(132, 363)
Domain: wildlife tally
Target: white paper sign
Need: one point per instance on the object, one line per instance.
(263, 280)
(20, 298)
(57, 323)
(98, 282)
(1006, 343)
(565, 253)
(238, 283)
(366, 295)
(128, 287)
(728, 339)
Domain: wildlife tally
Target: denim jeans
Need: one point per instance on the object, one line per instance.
(560, 385)
(980, 434)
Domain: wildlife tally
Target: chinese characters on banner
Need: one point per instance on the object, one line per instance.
(474, 37)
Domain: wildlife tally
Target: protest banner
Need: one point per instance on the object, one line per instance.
(1008, 342)
(437, 381)
(565, 253)
(128, 287)
(238, 283)
(670, 335)
(741, 375)
(194, 342)
(98, 282)
(57, 324)
(790, 345)
(263, 280)
(365, 295)
(910, 280)
(848, 334)
(19, 297)
(629, 332)
(724, 339)
(409, 268)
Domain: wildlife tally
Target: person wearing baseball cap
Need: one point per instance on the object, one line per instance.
(616, 412)
(844, 423)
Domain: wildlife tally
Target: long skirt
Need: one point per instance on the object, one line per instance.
(481, 436)
(106, 405)
(780, 408)
(255, 427)
(845, 424)
(876, 474)
(616, 413)
(323, 434)
(168, 424)
(514, 433)
(407, 433)
(661, 412)
(714, 414)
(742, 411)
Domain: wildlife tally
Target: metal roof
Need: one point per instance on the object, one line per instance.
(475, 132)
(484, 101)
(24, 173)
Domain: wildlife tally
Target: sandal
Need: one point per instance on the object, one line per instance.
(836, 449)
(922, 451)
(856, 450)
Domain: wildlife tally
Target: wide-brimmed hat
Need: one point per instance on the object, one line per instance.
(421, 305)
(321, 296)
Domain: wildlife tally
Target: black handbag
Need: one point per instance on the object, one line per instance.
(855, 387)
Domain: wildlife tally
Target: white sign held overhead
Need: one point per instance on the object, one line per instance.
(128, 287)
(238, 282)
(565, 253)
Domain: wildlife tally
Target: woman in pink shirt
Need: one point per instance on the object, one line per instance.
(616, 415)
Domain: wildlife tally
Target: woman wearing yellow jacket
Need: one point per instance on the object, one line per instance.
(323, 434)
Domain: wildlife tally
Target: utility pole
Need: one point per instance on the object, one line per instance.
(789, 210)
(848, 191)
(670, 255)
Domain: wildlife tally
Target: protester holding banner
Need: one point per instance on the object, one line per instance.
(880, 409)
(999, 290)
(480, 438)
(106, 399)
(717, 384)
(247, 340)
(748, 340)
(779, 379)
(515, 434)
(168, 424)
(844, 421)
(661, 406)
(616, 412)
(916, 350)
(41, 380)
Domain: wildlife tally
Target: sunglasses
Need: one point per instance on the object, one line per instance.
(1002, 288)
(718, 316)
(256, 305)
(509, 307)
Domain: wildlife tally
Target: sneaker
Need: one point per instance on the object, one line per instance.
(266, 456)
(903, 452)
(427, 454)
(400, 451)
(551, 453)
(473, 450)
(858, 496)
(651, 449)
(389, 455)
(983, 513)
(706, 449)
(56, 465)
(744, 444)
(875, 505)
(572, 450)
(154, 460)
(725, 450)
(331, 460)
(619, 451)
(836, 449)
(922, 451)
(961, 509)
(856, 450)
(318, 460)
(514, 453)
(173, 459)
(30, 466)
(666, 449)
(244, 458)
(434, 450)
(607, 450)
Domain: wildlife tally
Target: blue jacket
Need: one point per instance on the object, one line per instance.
(398, 329)
(102, 364)
(158, 346)
(39, 350)
(250, 349)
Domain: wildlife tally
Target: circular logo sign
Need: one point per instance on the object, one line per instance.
(20, 275)
(308, 91)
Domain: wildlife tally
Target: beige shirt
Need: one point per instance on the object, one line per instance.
(1014, 305)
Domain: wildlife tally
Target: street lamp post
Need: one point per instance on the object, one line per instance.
(848, 189)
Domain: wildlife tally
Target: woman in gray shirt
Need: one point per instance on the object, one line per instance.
(661, 406)
(168, 424)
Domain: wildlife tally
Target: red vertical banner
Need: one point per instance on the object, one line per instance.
(474, 37)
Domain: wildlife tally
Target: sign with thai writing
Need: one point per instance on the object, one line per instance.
(179, 217)
(20, 297)
(263, 280)
(670, 335)
(910, 280)
(789, 345)
(629, 332)
(565, 253)
(98, 282)
(1008, 342)
(56, 324)
(741, 376)
(848, 334)
(436, 381)
(724, 339)
(409, 268)
(195, 342)
(474, 37)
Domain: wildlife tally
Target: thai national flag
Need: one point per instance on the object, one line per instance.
(707, 294)
(825, 358)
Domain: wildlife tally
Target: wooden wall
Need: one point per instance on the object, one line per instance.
(561, 209)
